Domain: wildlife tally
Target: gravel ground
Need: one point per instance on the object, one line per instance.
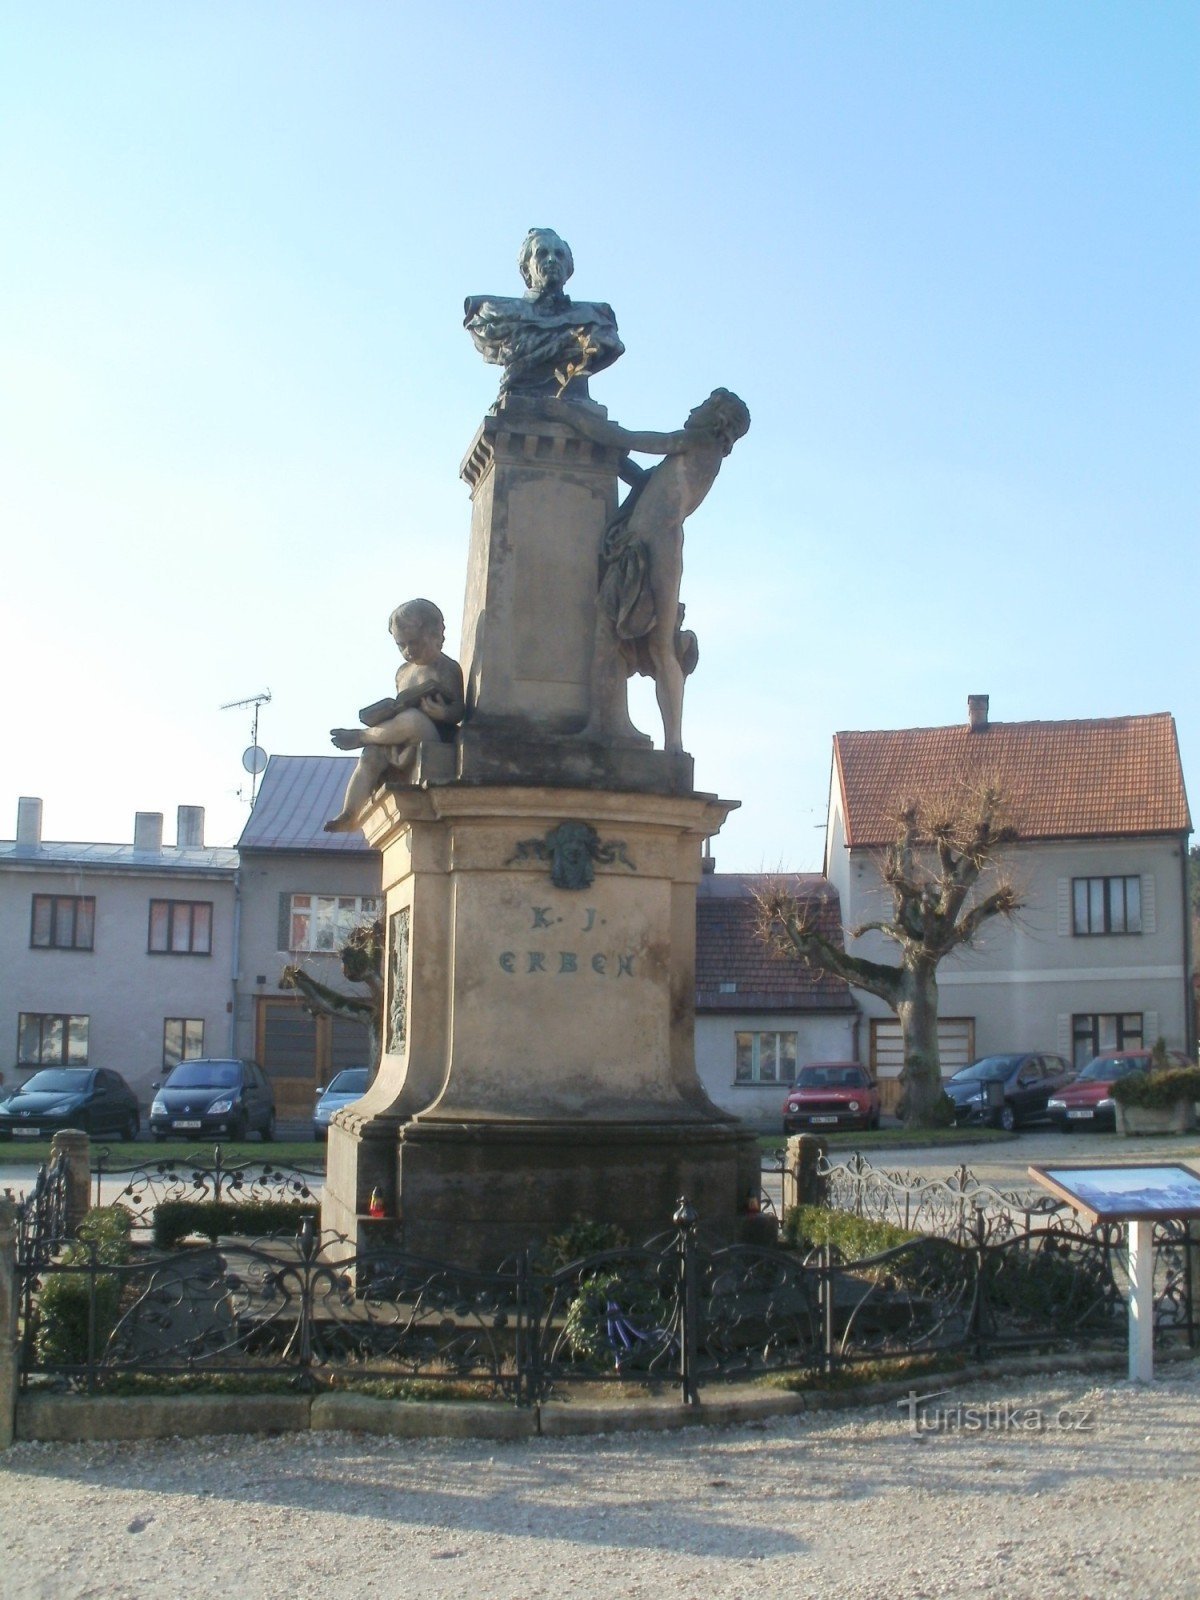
(834, 1504)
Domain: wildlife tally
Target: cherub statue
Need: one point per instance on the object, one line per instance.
(642, 553)
(427, 704)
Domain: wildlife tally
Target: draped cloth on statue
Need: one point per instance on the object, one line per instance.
(627, 600)
(533, 338)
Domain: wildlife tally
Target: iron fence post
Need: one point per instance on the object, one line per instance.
(979, 1308)
(528, 1335)
(685, 1224)
(825, 1301)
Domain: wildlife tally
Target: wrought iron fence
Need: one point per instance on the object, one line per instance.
(144, 1185)
(42, 1213)
(675, 1312)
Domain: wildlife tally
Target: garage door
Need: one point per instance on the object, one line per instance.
(956, 1048)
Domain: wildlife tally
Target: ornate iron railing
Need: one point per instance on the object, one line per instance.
(42, 1214)
(676, 1311)
(199, 1176)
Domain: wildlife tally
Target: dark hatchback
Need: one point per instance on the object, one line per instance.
(1007, 1090)
(95, 1100)
(227, 1097)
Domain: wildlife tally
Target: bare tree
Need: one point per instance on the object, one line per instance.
(362, 964)
(933, 867)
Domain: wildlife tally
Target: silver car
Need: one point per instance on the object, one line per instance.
(342, 1090)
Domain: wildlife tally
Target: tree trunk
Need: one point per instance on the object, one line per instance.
(922, 1104)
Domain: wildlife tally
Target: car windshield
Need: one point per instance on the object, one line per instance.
(989, 1068)
(55, 1083)
(831, 1078)
(351, 1080)
(1109, 1068)
(205, 1075)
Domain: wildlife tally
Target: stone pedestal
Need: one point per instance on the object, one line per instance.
(534, 659)
(539, 1052)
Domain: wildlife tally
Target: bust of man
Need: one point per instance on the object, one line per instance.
(537, 337)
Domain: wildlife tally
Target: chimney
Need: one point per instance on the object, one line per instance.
(189, 827)
(977, 712)
(29, 823)
(147, 831)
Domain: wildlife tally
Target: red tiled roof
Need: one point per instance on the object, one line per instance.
(1064, 780)
(729, 950)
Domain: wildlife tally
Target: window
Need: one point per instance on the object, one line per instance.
(181, 927)
(765, 1057)
(1100, 1032)
(1107, 905)
(45, 1040)
(326, 921)
(62, 922)
(183, 1040)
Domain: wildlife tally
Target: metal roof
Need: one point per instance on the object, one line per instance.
(206, 860)
(297, 796)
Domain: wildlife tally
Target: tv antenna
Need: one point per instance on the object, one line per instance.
(254, 758)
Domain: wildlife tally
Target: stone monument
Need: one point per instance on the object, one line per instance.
(540, 857)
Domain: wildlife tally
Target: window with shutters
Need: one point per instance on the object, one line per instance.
(1098, 1033)
(1106, 905)
(318, 922)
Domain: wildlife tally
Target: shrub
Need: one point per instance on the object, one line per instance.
(852, 1236)
(63, 1304)
(176, 1219)
(1155, 1090)
(581, 1238)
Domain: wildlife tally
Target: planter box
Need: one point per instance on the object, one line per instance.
(1177, 1118)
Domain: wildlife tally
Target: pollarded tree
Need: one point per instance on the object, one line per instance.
(362, 964)
(942, 871)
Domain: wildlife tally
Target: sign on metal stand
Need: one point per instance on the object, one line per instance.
(1138, 1197)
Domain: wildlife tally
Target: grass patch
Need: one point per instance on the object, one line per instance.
(862, 1374)
(896, 1138)
(147, 1152)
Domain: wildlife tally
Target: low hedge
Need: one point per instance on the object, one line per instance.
(176, 1219)
(1158, 1090)
(852, 1236)
(62, 1312)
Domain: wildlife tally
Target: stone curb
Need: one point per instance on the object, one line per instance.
(421, 1419)
(87, 1418)
(77, 1418)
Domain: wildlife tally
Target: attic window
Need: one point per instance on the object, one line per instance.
(727, 988)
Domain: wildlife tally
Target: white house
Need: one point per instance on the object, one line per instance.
(1098, 958)
(115, 955)
(759, 1013)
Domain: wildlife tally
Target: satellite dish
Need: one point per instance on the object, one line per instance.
(254, 759)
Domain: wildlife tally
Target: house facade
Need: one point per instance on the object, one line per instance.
(115, 955)
(761, 1013)
(301, 892)
(1098, 958)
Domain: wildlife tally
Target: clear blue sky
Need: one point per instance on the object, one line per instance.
(946, 251)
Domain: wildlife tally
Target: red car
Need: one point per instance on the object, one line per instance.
(1087, 1101)
(831, 1094)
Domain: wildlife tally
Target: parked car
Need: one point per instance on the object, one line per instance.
(1007, 1090)
(343, 1089)
(831, 1094)
(1088, 1101)
(93, 1099)
(226, 1097)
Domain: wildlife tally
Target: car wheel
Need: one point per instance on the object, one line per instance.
(268, 1132)
(130, 1130)
(873, 1123)
(1007, 1119)
(159, 1138)
(237, 1131)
